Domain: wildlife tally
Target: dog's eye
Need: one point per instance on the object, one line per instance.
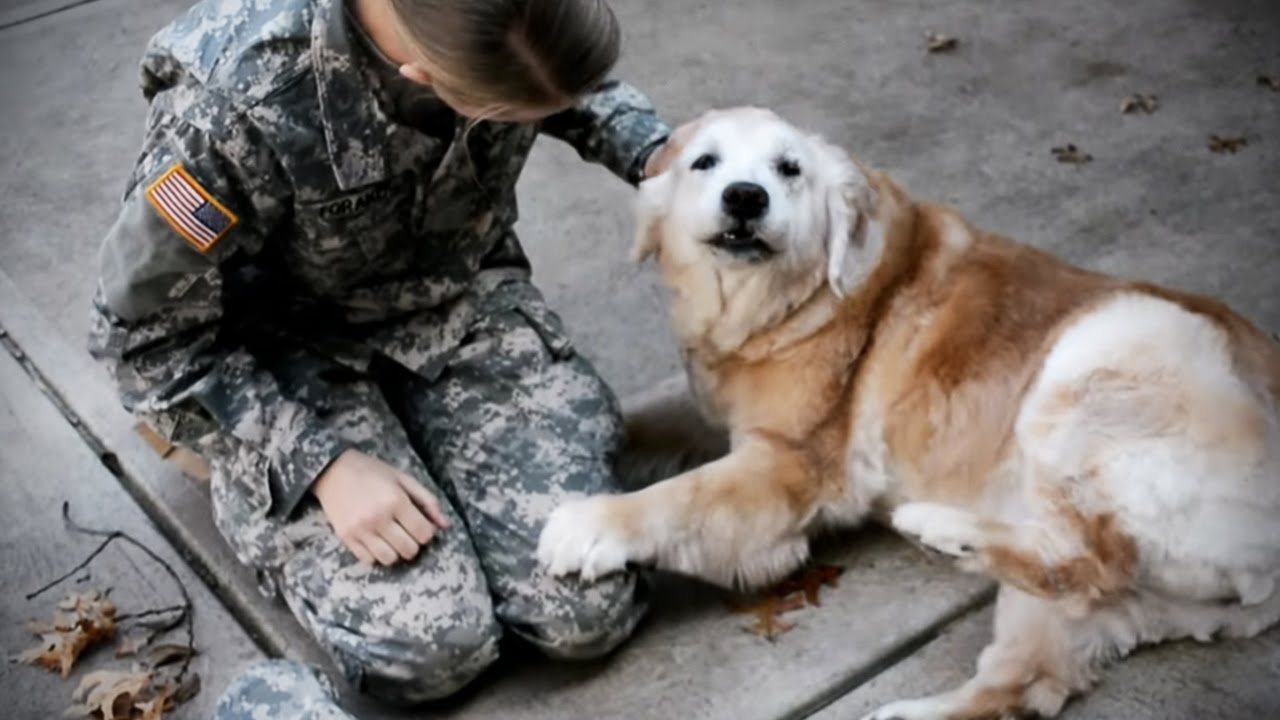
(788, 168)
(705, 162)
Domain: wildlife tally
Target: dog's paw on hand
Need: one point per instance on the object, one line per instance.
(946, 529)
(578, 538)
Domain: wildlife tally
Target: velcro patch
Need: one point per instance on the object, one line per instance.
(190, 209)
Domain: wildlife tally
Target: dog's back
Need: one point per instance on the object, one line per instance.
(992, 362)
(1108, 450)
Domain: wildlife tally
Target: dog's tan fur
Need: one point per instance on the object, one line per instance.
(933, 353)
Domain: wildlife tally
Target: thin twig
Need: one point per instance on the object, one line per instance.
(149, 613)
(188, 610)
(152, 613)
(83, 564)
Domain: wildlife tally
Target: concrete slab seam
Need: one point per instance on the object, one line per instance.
(45, 14)
(897, 654)
(260, 636)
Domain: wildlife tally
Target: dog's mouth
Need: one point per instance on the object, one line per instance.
(743, 242)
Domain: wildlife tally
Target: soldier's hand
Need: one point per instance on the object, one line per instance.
(379, 513)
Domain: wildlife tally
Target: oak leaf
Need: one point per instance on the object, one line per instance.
(80, 621)
(162, 655)
(1071, 154)
(167, 693)
(109, 694)
(810, 581)
(1228, 144)
(187, 689)
(937, 42)
(768, 611)
(131, 643)
(57, 651)
(154, 709)
(1138, 101)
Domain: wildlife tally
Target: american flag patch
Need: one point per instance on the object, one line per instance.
(189, 208)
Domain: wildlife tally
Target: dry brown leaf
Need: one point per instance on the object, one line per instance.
(937, 42)
(809, 582)
(138, 695)
(94, 602)
(93, 611)
(111, 695)
(189, 688)
(1228, 144)
(1138, 101)
(1071, 154)
(133, 642)
(89, 618)
(57, 651)
(171, 684)
(1271, 81)
(768, 622)
(166, 693)
(155, 708)
(161, 655)
(803, 587)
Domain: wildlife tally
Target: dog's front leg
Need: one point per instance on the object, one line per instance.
(738, 521)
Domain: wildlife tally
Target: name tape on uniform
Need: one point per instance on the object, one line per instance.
(189, 209)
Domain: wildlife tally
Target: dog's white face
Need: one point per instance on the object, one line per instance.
(751, 195)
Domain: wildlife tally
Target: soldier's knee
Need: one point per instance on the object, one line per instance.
(599, 619)
(411, 668)
(278, 689)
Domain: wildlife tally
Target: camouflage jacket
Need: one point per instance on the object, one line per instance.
(278, 198)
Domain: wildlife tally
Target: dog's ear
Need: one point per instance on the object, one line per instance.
(655, 190)
(666, 153)
(649, 211)
(855, 237)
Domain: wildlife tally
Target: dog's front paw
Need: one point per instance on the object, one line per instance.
(946, 529)
(579, 537)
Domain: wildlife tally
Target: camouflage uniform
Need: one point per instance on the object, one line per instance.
(279, 690)
(344, 274)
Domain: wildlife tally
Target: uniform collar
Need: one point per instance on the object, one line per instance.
(356, 129)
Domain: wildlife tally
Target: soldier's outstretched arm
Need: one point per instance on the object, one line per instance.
(615, 126)
(202, 198)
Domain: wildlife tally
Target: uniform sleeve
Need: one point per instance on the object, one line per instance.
(199, 202)
(615, 126)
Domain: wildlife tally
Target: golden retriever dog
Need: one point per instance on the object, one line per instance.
(1107, 450)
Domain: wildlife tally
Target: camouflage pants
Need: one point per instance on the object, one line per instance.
(280, 690)
(514, 424)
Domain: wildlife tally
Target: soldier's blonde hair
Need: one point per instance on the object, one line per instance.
(503, 54)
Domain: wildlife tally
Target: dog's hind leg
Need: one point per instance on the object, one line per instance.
(1045, 651)
(1038, 659)
(1078, 556)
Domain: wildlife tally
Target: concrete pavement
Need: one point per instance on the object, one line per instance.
(973, 127)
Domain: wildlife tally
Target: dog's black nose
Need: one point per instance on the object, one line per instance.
(745, 201)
